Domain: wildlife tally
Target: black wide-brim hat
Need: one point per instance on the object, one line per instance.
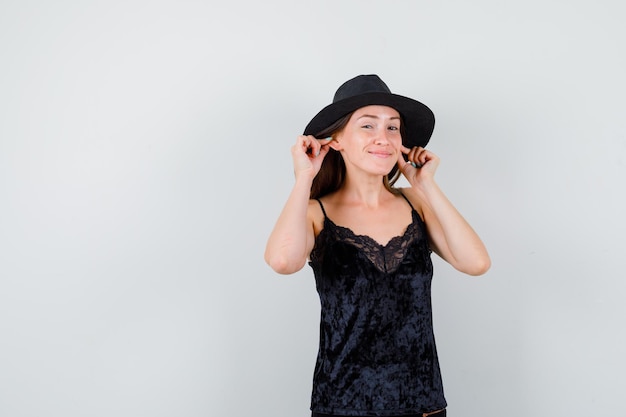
(367, 90)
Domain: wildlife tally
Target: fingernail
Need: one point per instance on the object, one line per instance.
(329, 138)
(317, 153)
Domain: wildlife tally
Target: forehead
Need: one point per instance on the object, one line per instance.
(376, 111)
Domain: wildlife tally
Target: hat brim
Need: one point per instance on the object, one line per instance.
(418, 119)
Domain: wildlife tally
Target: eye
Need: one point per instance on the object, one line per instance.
(366, 126)
(393, 128)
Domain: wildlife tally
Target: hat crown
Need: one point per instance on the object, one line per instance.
(360, 85)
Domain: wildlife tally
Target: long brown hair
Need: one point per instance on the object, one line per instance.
(332, 173)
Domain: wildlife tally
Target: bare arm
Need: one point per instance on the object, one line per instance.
(292, 238)
(451, 236)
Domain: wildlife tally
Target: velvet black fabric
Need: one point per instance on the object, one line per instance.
(377, 354)
(441, 413)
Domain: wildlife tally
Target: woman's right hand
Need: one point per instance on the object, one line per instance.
(308, 153)
(293, 236)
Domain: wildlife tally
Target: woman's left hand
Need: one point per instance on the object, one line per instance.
(426, 164)
(450, 235)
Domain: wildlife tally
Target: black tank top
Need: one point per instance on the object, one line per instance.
(377, 354)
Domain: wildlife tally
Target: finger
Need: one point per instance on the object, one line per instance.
(424, 156)
(413, 157)
(322, 144)
(402, 164)
(324, 141)
(303, 143)
(406, 151)
(321, 148)
(323, 151)
(406, 167)
(313, 146)
(413, 154)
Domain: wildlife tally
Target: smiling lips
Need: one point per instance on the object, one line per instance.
(380, 153)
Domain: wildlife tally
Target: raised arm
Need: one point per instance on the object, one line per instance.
(450, 234)
(292, 238)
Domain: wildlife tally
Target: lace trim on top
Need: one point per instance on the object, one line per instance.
(386, 258)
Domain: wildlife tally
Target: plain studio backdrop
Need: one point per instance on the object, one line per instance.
(144, 157)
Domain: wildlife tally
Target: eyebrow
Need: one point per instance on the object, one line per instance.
(376, 117)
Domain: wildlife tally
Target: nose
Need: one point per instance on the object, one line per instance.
(382, 138)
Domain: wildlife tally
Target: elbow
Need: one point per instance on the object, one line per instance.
(281, 265)
(479, 267)
(475, 264)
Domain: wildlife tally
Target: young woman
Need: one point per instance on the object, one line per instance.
(369, 246)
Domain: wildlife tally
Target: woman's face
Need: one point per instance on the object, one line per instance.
(371, 139)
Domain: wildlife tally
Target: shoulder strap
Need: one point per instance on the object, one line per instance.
(322, 206)
(407, 200)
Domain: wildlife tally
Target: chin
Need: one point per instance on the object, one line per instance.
(379, 167)
(386, 168)
(382, 171)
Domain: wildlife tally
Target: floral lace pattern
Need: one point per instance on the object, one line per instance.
(386, 258)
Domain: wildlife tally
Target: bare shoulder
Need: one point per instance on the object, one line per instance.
(315, 216)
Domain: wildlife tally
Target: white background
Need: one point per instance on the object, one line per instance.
(144, 156)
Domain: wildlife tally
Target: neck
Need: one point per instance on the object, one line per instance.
(364, 189)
